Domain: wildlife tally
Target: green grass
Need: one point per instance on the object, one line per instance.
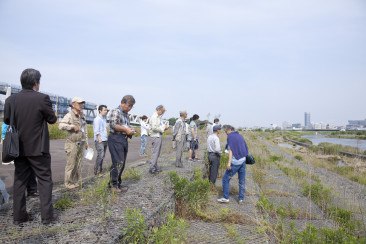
(318, 194)
(191, 196)
(63, 203)
(312, 234)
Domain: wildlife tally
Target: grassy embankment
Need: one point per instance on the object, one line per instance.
(327, 156)
(311, 186)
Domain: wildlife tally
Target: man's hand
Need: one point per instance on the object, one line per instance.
(99, 139)
(87, 146)
(129, 131)
(229, 166)
(166, 127)
(76, 129)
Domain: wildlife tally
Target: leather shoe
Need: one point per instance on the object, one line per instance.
(116, 190)
(48, 221)
(153, 172)
(123, 188)
(33, 194)
(18, 222)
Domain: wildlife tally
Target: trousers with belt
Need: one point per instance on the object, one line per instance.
(118, 147)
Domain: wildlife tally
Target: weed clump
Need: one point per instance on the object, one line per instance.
(191, 196)
(63, 203)
(318, 194)
(136, 227)
(312, 234)
(174, 231)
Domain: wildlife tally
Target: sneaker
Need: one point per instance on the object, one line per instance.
(12, 162)
(153, 172)
(5, 163)
(241, 201)
(223, 200)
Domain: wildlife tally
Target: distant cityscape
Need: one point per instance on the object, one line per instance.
(308, 125)
(353, 125)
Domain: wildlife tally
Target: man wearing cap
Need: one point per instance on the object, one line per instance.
(76, 141)
(100, 137)
(179, 135)
(214, 153)
(156, 129)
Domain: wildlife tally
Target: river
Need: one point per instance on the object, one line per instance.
(316, 139)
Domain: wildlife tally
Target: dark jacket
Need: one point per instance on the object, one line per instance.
(32, 112)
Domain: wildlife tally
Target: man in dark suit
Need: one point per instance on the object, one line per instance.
(32, 112)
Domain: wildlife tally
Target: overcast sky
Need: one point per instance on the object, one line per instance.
(253, 62)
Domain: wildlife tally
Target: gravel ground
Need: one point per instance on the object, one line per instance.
(153, 196)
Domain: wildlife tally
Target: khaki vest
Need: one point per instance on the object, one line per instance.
(181, 134)
(79, 135)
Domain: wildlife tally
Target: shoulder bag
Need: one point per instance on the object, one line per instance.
(250, 159)
(11, 140)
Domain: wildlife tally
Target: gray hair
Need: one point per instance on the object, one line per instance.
(160, 107)
(183, 112)
(229, 127)
(128, 99)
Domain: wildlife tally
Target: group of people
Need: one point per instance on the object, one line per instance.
(237, 149)
(33, 111)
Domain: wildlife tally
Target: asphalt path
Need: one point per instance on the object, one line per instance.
(58, 156)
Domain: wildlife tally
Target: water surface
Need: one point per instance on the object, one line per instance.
(316, 139)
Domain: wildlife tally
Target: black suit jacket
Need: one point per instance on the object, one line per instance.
(32, 112)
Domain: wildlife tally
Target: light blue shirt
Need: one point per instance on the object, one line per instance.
(100, 128)
(235, 161)
(4, 128)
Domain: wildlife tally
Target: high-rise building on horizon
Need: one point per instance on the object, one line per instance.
(307, 120)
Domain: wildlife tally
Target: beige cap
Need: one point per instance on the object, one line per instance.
(77, 100)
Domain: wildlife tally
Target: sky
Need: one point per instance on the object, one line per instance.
(252, 63)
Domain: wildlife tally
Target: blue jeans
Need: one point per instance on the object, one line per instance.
(143, 144)
(240, 169)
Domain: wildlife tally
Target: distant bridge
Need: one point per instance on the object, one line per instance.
(61, 105)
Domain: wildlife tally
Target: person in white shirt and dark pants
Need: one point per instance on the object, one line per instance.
(144, 128)
(214, 153)
(100, 137)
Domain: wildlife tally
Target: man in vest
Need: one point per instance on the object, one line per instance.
(76, 141)
(179, 135)
(156, 129)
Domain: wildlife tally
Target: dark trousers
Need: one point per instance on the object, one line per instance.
(118, 147)
(41, 166)
(101, 148)
(32, 183)
(214, 164)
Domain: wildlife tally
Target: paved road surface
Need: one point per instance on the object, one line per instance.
(59, 160)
